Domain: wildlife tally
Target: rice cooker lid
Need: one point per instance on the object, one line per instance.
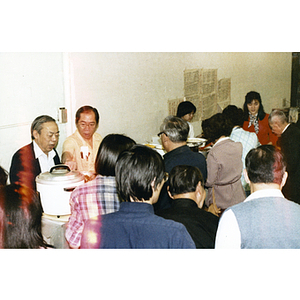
(59, 174)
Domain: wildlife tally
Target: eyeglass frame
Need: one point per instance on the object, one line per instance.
(159, 134)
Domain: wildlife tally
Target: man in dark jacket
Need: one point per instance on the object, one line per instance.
(38, 156)
(186, 188)
(289, 144)
(174, 133)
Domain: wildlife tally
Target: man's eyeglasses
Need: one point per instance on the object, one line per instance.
(159, 134)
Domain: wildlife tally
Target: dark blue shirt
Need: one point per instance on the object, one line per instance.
(136, 226)
(180, 156)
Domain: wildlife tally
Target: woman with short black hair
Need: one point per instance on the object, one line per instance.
(224, 164)
(186, 111)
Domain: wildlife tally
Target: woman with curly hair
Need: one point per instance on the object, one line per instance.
(224, 164)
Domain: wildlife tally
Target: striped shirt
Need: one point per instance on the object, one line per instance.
(96, 197)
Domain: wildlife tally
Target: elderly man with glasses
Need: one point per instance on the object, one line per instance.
(174, 133)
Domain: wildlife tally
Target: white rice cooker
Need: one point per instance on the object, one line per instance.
(55, 188)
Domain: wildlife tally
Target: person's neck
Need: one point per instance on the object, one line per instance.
(254, 187)
(221, 137)
(191, 196)
(89, 141)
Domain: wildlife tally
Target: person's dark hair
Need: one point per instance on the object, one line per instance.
(248, 99)
(110, 148)
(265, 164)
(215, 127)
(185, 107)
(87, 109)
(3, 176)
(136, 169)
(235, 115)
(184, 179)
(21, 218)
(175, 128)
(38, 122)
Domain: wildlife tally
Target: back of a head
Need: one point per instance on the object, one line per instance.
(175, 128)
(109, 150)
(136, 169)
(184, 179)
(234, 114)
(265, 164)
(215, 127)
(22, 220)
(185, 107)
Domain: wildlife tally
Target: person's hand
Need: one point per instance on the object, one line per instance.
(71, 164)
(89, 177)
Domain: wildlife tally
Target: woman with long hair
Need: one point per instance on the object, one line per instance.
(256, 120)
(21, 218)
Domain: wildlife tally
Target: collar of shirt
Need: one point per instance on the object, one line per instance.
(46, 161)
(222, 139)
(285, 128)
(177, 150)
(184, 202)
(38, 152)
(265, 193)
(136, 207)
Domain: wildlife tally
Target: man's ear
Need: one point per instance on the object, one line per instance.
(200, 195)
(165, 138)
(284, 178)
(35, 134)
(246, 176)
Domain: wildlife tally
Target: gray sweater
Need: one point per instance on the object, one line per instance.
(268, 223)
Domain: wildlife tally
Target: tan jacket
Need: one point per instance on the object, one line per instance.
(224, 169)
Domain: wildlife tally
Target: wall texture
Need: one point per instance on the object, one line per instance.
(31, 84)
(130, 90)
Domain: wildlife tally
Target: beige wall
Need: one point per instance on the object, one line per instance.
(130, 90)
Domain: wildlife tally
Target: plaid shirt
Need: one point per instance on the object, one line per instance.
(249, 141)
(96, 197)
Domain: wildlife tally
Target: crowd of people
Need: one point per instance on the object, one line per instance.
(244, 194)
